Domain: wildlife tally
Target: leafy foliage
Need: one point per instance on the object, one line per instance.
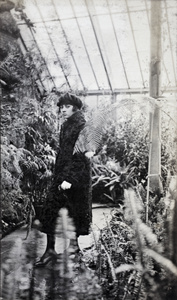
(90, 137)
(15, 204)
(130, 259)
(8, 23)
(122, 159)
(29, 129)
(26, 170)
(169, 142)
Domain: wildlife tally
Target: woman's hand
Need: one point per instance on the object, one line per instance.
(65, 185)
(90, 154)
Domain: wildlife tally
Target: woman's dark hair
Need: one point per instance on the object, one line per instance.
(75, 108)
(71, 100)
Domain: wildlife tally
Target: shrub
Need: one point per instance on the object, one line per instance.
(123, 158)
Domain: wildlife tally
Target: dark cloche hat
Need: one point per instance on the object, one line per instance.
(70, 99)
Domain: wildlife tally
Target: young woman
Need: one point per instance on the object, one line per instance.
(71, 184)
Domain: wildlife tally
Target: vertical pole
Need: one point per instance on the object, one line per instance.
(155, 50)
(173, 193)
(154, 172)
(113, 101)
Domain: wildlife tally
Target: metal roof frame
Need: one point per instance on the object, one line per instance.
(92, 14)
(149, 27)
(34, 39)
(67, 43)
(88, 56)
(96, 31)
(170, 42)
(118, 46)
(67, 81)
(133, 35)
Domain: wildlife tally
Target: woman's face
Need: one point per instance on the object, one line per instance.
(66, 110)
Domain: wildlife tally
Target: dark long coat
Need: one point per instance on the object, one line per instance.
(73, 168)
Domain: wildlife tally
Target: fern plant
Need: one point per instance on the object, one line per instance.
(133, 256)
(120, 146)
(90, 138)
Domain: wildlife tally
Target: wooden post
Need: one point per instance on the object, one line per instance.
(155, 84)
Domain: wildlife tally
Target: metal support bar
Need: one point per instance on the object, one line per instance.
(133, 35)
(154, 166)
(149, 28)
(34, 39)
(67, 42)
(118, 46)
(87, 3)
(23, 42)
(170, 43)
(24, 45)
(107, 92)
(155, 50)
(84, 44)
(121, 91)
(84, 16)
(53, 45)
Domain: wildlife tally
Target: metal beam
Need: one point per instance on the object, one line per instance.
(84, 16)
(88, 56)
(95, 30)
(117, 42)
(26, 49)
(56, 54)
(34, 39)
(154, 167)
(67, 43)
(115, 92)
(133, 35)
(149, 28)
(170, 42)
(23, 42)
(123, 91)
(155, 49)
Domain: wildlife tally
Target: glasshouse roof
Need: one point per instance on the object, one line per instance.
(100, 45)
